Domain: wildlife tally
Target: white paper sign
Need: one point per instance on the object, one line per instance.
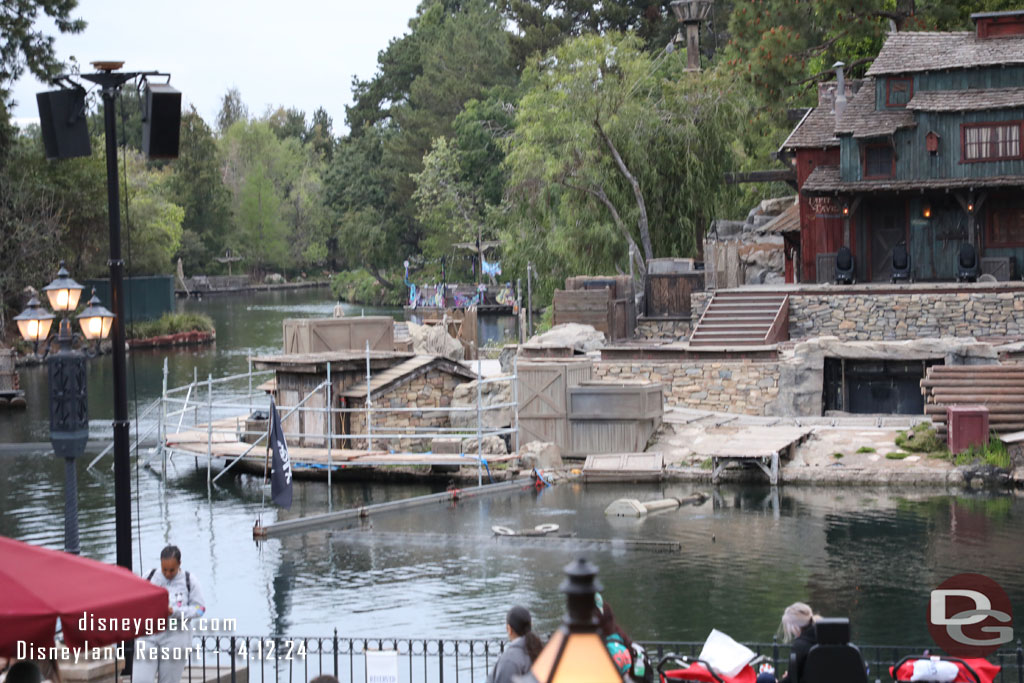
(381, 666)
(724, 654)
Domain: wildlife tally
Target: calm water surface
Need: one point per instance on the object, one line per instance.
(871, 554)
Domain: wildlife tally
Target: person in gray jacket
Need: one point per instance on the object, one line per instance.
(162, 657)
(523, 648)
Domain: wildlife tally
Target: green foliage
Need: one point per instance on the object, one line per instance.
(992, 453)
(232, 110)
(358, 286)
(152, 222)
(170, 323)
(837, 456)
(706, 464)
(865, 449)
(26, 47)
(896, 455)
(921, 439)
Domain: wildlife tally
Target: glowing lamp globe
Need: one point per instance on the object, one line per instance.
(34, 322)
(63, 292)
(95, 320)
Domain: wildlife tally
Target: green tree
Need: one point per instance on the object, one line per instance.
(197, 186)
(288, 123)
(232, 110)
(262, 234)
(615, 152)
(152, 222)
(321, 134)
(450, 207)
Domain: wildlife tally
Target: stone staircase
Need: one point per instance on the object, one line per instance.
(743, 318)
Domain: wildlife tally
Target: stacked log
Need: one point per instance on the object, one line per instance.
(1000, 388)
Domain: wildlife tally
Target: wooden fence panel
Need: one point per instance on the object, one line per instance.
(587, 307)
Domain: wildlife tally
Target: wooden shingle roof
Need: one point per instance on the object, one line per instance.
(816, 130)
(786, 222)
(967, 100)
(827, 180)
(915, 51)
(405, 372)
(862, 121)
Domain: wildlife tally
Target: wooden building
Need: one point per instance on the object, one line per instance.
(928, 151)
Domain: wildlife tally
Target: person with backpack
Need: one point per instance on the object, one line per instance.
(162, 657)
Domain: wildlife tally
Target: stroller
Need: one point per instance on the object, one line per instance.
(969, 670)
(698, 670)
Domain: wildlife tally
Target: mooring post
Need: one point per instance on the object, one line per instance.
(161, 430)
(249, 359)
(515, 395)
(195, 415)
(519, 310)
(479, 421)
(330, 432)
(529, 299)
(369, 424)
(209, 434)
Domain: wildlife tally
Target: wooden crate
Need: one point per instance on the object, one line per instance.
(543, 399)
(320, 335)
(613, 417)
(668, 296)
(586, 307)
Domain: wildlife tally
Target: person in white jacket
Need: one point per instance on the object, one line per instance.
(162, 657)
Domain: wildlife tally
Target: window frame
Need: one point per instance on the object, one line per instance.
(864, 161)
(990, 241)
(888, 90)
(964, 127)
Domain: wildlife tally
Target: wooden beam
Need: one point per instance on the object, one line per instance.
(773, 176)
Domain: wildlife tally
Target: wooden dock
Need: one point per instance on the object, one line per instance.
(225, 446)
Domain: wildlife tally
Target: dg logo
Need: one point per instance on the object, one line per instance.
(970, 615)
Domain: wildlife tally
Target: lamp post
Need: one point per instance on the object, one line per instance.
(691, 13)
(69, 404)
(577, 650)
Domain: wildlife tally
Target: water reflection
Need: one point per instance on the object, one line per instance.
(871, 554)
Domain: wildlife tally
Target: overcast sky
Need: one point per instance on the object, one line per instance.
(296, 53)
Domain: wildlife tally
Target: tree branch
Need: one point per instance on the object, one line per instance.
(645, 233)
(599, 194)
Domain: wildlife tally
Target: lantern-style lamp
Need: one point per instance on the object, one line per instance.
(577, 651)
(63, 292)
(34, 322)
(95, 320)
(691, 13)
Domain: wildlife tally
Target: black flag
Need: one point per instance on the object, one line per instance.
(281, 471)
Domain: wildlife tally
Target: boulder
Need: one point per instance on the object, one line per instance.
(508, 353)
(433, 340)
(490, 445)
(274, 279)
(491, 394)
(776, 205)
(540, 454)
(582, 338)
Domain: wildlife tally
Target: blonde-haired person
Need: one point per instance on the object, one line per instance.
(797, 629)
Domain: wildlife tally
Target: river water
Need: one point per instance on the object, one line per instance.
(870, 554)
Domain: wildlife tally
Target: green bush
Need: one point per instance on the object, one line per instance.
(993, 453)
(837, 456)
(865, 449)
(359, 287)
(921, 439)
(170, 323)
(896, 455)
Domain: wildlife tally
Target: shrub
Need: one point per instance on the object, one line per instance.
(359, 287)
(921, 439)
(896, 455)
(993, 453)
(865, 449)
(837, 456)
(170, 323)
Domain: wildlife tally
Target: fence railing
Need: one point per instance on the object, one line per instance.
(251, 659)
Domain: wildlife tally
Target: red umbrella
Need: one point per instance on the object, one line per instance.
(92, 599)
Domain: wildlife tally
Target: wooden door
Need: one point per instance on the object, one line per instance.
(887, 228)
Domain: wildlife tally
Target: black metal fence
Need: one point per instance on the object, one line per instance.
(280, 659)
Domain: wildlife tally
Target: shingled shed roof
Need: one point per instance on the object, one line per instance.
(406, 372)
(786, 222)
(827, 180)
(862, 121)
(915, 51)
(816, 130)
(967, 100)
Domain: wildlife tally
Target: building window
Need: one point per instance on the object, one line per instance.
(898, 91)
(1005, 225)
(878, 161)
(991, 141)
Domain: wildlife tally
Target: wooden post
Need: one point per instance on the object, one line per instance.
(330, 433)
(163, 425)
(209, 434)
(529, 300)
(369, 424)
(479, 423)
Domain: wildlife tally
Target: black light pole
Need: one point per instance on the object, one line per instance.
(111, 83)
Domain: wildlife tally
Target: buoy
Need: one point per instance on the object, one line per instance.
(502, 531)
(546, 528)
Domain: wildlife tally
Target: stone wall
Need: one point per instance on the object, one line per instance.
(430, 391)
(656, 328)
(886, 316)
(747, 387)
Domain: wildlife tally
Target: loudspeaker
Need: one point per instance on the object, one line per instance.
(62, 120)
(161, 121)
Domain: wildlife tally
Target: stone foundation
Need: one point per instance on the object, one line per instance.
(880, 313)
(747, 387)
(660, 328)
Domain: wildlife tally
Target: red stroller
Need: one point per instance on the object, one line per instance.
(971, 670)
(699, 671)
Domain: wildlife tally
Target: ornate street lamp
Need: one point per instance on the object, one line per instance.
(69, 404)
(577, 650)
(691, 13)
